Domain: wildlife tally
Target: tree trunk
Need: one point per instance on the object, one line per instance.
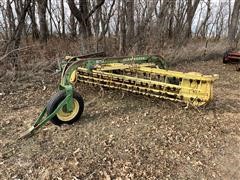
(171, 19)
(233, 27)
(83, 16)
(51, 21)
(15, 40)
(203, 28)
(31, 12)
(122, 40)
(191, 9)
(130, 21)
(164, 21)
(12, 26)
(96, 22)
(42, 8)
(73, 26)
(85, 25)
(4, 15)
(143, 25)
(118, 18)
(229, 12)
(63, 18)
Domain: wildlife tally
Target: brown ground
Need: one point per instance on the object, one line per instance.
(131, 136)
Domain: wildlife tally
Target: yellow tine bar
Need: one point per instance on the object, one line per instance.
(191, 87)
(191, 75)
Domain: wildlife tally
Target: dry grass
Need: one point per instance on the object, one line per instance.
(38, 60)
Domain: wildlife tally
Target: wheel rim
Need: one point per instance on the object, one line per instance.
(68, 116)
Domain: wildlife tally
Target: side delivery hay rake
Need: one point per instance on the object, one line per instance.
(146, 75)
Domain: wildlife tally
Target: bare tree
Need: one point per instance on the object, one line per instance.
(229, 12)
(15, 39)
(104, 18)
(145, 19)
(130, 21)
(203, 27)
(51, 21)
(32, 15)
(82, 15)
(164, 20)
(191, 9)
(180, 20)
(122, 39)
(11, 19)
(171, 19)
(73, 26)
(5, 28)
(233, 27)
(219, 21)
(63, 18)
(42, 8)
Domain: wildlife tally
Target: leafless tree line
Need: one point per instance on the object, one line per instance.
(132, 24)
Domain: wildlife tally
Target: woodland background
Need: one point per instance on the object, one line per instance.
(52, 29)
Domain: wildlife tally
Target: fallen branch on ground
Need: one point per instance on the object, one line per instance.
(14, 50)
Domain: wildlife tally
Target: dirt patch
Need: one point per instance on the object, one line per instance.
(127, 136)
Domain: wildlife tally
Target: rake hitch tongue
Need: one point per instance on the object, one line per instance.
(46, 115)
(27, 133)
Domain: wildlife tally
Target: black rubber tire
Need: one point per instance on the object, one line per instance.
(56, 100)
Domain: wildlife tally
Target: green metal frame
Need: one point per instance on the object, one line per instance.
(68, 101)
(41, 121)
(158, 60)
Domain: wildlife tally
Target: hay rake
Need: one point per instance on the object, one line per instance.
(146, 75)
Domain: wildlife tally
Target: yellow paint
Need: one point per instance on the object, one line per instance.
(68, 116)
(68, 58)
(73, 77)
(192, 75)
(121, 66)
(193, 87)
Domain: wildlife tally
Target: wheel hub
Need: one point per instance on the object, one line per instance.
(68, 116)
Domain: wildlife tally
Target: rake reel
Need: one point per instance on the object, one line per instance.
(146, 75)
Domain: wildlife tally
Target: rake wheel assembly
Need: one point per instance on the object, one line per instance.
(62, 116)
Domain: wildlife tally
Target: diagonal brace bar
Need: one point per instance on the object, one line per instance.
(40, 122)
